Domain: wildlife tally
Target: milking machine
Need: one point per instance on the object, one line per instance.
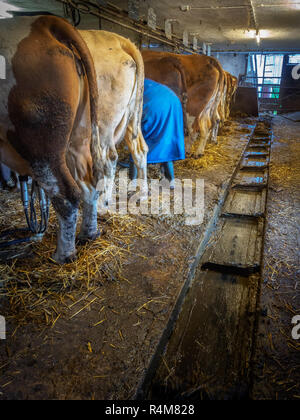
(36, 206)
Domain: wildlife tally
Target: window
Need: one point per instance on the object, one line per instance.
(294, 59)
(268, 70)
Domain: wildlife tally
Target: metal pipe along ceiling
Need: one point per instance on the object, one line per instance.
(253, 15)
(250, 7)
(186, 8)
(116, 16)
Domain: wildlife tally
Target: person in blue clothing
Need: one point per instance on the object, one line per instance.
(8, 179)
(162, 127)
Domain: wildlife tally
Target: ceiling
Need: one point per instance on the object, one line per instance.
(227, 24)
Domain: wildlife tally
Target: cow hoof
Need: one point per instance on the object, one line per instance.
(197, 155)
(85, 240)
(64, 260)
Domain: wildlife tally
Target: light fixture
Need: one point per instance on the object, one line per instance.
(258, 36)
(185, 8)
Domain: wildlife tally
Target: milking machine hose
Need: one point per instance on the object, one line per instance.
(35, 227)
(15, 241)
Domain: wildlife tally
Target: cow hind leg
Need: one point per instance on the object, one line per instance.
(65, 251)
(202, 135)
(89, 226)
(139, 150)
(65, 197)
(215, 131)
(184, 101)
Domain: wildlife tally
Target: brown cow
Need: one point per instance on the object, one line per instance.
(168, 70)
(49, 120)
(201, 78)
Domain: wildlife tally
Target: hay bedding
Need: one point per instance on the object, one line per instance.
(35, 286)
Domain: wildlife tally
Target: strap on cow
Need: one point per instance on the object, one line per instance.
(36, 225)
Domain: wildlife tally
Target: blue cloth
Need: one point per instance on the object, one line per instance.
(5, 172)
(162, 123)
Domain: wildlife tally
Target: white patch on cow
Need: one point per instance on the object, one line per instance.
(12, 32)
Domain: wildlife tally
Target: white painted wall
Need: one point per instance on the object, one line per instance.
(236, 64)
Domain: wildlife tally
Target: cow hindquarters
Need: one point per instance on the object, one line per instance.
(43, 125)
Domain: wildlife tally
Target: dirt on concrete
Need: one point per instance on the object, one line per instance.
(89, 330)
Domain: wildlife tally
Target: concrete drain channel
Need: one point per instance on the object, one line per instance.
(207, 348)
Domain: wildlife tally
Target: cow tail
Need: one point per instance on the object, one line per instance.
(132, 50)
(177, 64)
(184, 96)
(70, 37)
(220, 87)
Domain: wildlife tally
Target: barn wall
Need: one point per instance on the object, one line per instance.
(236, 64)
(88, 22)
(126, 33)
(92, 22)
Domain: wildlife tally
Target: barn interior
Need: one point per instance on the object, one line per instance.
(156, 308)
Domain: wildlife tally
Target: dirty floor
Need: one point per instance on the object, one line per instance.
(88, 330)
